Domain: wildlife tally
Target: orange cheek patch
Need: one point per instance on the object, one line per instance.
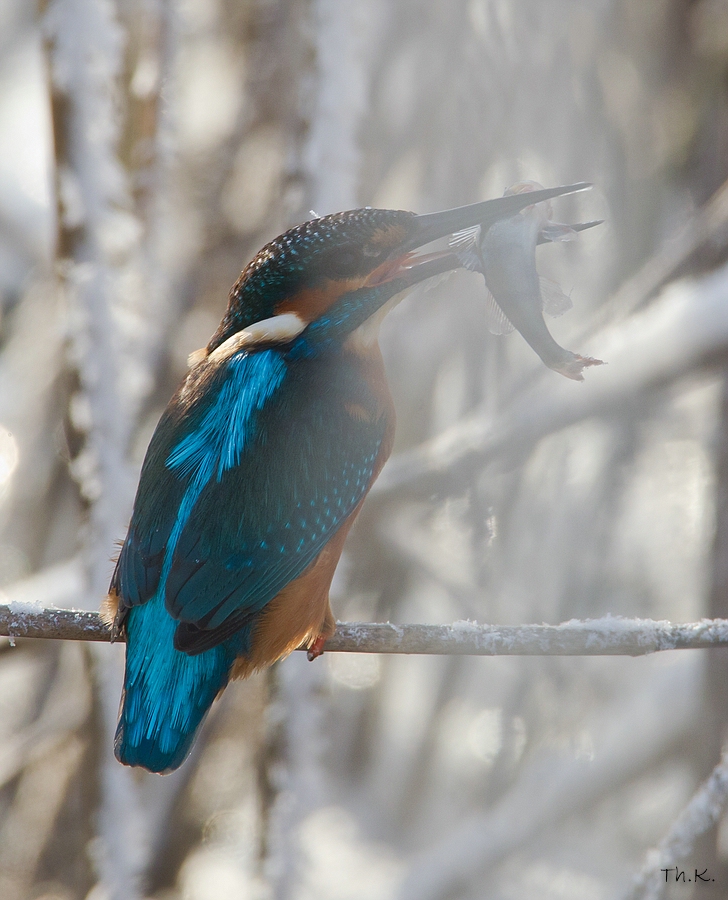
(310, 303)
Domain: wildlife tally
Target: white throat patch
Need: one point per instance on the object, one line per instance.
(281, 328)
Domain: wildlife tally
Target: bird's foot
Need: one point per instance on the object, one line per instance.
(317, 648)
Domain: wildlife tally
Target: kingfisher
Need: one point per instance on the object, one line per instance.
(260, 464)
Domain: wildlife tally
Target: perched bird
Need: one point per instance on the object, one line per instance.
(505, 254)
(259, 466)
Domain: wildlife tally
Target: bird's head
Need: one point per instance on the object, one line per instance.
(324, 278)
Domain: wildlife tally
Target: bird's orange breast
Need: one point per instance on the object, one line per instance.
(300, 613)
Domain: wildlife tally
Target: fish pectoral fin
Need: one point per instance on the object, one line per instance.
(553, 300)
(465, 246)
(498, 321)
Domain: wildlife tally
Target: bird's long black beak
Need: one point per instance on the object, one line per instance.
(406, 268)
(431, 226)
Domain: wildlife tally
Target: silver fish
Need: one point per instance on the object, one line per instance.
(505, 254)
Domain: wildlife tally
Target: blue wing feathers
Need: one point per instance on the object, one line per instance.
(300, 474)
(167, 692)
(217, 442)
(251, 470)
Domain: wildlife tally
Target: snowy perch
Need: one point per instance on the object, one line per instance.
(703, 811)
(607, 636)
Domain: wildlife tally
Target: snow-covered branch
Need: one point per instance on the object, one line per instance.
(705, 808)
(608, 636)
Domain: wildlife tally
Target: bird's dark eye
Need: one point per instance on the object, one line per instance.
(344, 261)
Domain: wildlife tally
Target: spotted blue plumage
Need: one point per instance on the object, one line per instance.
(254, 466)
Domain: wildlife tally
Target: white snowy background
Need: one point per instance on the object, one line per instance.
(147, 150)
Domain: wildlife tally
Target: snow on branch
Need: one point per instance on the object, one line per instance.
(608, 636)
(702, 812)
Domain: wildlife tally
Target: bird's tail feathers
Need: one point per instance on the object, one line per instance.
(167, 693)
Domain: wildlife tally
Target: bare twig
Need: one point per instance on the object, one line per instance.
(705, 808)
(608, 636)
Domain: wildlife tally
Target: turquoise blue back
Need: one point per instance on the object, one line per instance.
(252, 469)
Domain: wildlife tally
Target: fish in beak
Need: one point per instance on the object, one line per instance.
(504, 252)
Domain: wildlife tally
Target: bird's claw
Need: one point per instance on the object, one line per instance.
(316, 649)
